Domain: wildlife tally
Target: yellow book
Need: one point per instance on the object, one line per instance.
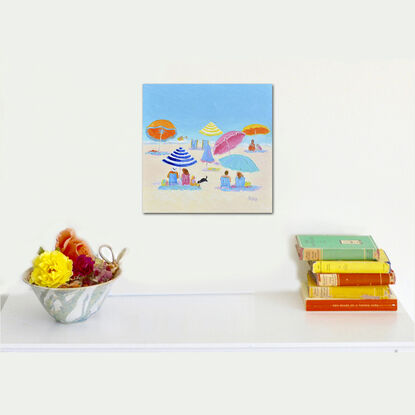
(383, 257)
(363, 291)
(382, 265)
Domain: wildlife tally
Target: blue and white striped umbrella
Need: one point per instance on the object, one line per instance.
(180, 158)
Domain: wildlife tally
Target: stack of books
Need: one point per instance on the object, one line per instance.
(346, 273)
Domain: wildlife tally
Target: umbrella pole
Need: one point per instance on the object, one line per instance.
(161, 133)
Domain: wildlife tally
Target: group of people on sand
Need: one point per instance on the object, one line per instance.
(184, 180)
(253, 147)
(225, 180)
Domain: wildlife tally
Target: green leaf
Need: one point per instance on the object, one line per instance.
(40, 251)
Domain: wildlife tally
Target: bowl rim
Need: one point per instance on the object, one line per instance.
(26, 274)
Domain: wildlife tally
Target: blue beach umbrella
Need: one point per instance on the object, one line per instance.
(180, 158)
(239, 163)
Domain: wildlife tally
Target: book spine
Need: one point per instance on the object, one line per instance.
(350, 267)
(309, 254)
(337, 280)
(362, 292)
(351, 305)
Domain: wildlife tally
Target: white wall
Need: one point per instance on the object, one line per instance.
(71, 146)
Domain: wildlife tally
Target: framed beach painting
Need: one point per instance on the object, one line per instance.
(207, 148)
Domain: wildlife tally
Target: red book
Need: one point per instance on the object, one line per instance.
(346, 304)
(336, 280)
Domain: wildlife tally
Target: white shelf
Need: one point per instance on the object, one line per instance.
(269, 321)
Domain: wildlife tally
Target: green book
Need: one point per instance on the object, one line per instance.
(336, 247)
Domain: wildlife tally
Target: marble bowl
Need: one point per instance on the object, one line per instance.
(71, 305)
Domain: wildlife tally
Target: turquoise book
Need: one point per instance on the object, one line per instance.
(336, 247)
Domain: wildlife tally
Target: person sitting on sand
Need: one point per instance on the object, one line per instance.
(185, 177)
(239, 180)
(173, 176)
(258, 147)
(225, 180)
(193, 181)
(252, 146)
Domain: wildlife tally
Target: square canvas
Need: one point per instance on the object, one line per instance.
(207, 148)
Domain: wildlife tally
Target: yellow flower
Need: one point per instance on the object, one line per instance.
(51, 269)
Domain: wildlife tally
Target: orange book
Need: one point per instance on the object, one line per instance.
(338, 280)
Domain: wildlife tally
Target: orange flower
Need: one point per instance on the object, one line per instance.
(71, 246)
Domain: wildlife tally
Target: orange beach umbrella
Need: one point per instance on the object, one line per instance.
(254, 129)
(161, 130)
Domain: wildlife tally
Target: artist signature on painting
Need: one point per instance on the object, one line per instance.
(253, 199)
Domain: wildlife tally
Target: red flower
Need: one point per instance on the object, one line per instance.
(82, 266)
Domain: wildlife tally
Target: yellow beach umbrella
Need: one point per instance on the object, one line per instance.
(211, 130)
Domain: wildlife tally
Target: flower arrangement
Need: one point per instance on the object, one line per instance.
(71, 265)
(71, 282)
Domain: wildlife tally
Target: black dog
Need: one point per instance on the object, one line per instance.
(202, 180)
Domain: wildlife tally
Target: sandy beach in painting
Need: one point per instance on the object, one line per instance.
(210, 199)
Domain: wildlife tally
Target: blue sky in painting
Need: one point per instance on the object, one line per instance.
(191, 106)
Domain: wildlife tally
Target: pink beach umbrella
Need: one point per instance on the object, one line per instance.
(228, 141)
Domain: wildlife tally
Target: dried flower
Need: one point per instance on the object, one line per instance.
(102, 272)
